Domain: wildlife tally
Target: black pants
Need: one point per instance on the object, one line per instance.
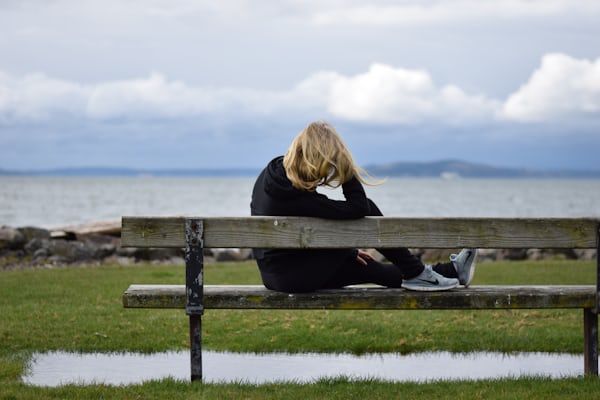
(295, 271)
(320, 269)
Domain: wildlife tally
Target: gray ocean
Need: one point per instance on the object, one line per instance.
(57, 201)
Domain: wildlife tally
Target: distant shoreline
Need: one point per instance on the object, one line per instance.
(117, 172)
(446, 169)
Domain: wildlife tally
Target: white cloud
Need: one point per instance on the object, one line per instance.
(150, 97)
(562, 87)
(383, 94)
(36, 96)
(386, 94)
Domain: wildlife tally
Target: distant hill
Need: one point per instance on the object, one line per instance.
(444, 169)
(457, 168)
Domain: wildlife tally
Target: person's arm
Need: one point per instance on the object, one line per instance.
(355, 205)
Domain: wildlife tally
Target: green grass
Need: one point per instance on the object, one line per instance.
(79, 309)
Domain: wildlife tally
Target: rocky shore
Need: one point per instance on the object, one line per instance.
(89, 244)
(97, 243)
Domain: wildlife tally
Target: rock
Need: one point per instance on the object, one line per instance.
(69, 251)
(10, 258)
(98, 239)
(535, 254)
(58, 260)
(233, 255)
(40, 247)
(101, 246)
(176, 261)
(35, 244)
(569, 254)
(11, 238)
(430, 256)
(106, 250)
(585, 254)
(32, 232)
(40, 254)
(486, 255)
(511, 254)
(116, 259)
(151, 254)
(126, 252)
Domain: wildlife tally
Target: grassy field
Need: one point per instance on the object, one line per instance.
(79, 309)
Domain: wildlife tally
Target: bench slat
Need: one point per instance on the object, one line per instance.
(362, 298)
(370, 232)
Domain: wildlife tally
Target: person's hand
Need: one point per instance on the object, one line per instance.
(363, 257)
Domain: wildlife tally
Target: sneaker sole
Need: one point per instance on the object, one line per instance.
(471, 271)
(429, 288)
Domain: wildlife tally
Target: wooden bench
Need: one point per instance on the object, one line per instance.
(195, 234)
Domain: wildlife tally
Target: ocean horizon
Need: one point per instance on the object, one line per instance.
(58, 201)
(429, 169)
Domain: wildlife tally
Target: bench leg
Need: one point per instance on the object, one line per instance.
(194, 287)
(590, 335)
(196, 347)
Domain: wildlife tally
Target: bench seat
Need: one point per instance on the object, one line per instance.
(367, 298)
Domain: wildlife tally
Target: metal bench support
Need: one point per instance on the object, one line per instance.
(194, 288)
(590, 337)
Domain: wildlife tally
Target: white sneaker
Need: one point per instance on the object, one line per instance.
(464, 262)
(429, 281)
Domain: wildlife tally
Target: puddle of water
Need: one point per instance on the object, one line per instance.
(61, 368)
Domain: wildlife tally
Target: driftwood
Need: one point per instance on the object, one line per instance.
(112, 228)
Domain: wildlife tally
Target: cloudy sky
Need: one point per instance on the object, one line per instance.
(194, 84)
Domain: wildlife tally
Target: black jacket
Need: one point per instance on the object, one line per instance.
(274, 195)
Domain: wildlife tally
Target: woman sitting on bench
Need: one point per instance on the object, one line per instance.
(287, 187)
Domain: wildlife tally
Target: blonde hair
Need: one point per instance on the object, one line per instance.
(319, 157)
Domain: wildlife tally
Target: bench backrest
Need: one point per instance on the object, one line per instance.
(196, 233)
(369, 232)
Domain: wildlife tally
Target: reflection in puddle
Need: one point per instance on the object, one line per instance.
(60, 368)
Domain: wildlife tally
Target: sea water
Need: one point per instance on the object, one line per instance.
(55, 201)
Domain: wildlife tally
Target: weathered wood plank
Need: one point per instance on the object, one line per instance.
(370, 232)
(155, 296)
(363, 298)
